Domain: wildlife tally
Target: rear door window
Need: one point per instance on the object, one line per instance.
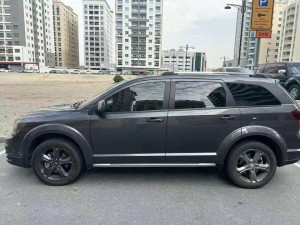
(199, 95)
(252, 95)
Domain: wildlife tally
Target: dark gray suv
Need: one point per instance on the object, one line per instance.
(246, 126)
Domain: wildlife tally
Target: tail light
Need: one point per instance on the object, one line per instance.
(296, 115)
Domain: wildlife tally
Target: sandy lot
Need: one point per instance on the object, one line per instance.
(23, 93)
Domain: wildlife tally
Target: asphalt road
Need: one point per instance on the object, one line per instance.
(147, 196)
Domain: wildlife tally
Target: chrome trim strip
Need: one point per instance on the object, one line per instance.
(191, 154)
(157, 165)
(130, 155)
(293, 150)
(154, 155)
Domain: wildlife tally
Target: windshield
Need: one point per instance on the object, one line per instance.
(239, 70)
(294, 68)
(87, 102)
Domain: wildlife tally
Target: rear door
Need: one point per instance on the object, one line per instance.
(201, 116)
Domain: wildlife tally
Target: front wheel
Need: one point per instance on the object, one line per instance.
(251, 165)
(294, 91)
(57, 162)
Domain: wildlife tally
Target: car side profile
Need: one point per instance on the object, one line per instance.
(246, 126)
(288, 74)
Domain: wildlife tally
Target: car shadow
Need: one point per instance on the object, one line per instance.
(203, 176)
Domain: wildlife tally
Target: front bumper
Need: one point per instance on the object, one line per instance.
(12, 155)
(293, 156)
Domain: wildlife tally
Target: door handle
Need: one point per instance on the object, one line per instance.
(228, 118)
(155, 120)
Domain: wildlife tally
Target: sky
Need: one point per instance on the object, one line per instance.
(203, 24)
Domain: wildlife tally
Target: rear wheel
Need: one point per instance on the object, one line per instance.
(57, 162)
(294, 91)
(251, 165)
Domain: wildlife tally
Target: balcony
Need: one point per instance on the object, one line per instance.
(142, 11)
(140, 27)
(139, 3)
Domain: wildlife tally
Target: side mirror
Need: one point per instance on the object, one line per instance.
(282, 72)
(101, 106)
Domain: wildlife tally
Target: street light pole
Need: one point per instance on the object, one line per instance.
(243, 9)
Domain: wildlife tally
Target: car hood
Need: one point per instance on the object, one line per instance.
(57, 109)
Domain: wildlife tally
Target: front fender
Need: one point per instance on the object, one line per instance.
(58, 129)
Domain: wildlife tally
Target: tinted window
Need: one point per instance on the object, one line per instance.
(252, 95)
(271, 68)
(141, 97)
(294, 68)
(197, 95)
(261, 69)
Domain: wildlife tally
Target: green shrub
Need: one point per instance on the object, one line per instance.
(118, 79)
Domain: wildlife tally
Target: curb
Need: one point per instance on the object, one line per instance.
(2, 139)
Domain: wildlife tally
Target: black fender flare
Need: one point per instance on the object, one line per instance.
(291, 82)
(252, 131)
(58, 129)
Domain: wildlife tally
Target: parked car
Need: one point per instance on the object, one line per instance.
(53, 71)
(76, 72)
(64, 72)
(235, 70)
(246, 126)
(101, 72)
(288, 73)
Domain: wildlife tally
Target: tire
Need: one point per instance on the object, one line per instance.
(251, 165)
(294, 91)
(58, 169)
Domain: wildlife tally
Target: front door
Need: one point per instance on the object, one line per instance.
(201, 117)
(133, 128)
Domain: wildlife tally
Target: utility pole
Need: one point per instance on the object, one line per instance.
(224, 60)
(187, 47)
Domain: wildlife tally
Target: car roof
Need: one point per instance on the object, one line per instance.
(208, 76)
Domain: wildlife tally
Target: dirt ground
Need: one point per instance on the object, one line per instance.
(24, 93)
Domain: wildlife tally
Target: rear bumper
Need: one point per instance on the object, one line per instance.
(293, 156)
(12, 155)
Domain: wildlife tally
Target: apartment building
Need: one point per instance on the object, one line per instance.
(65, 35)
(99, 42)
(26, 34)
(246, 40)
(289, 48)
(180, 61)
(139, 35)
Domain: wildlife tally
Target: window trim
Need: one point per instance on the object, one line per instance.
(165, 100)
(230, 103)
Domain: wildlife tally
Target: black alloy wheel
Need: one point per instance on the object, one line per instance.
(57, 162)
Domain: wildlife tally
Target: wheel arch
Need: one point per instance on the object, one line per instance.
(290, 82)
(45, 132)
(265, 135)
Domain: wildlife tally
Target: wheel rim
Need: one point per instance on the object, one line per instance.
(294, 93)
(253, 166)
(55, 164)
